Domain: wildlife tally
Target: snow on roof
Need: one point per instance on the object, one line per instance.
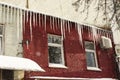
(17, 63)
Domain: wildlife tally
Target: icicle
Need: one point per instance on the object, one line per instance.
(27, 20)
(11, 15)
(24, 22)
(21, 23)
(53, 24)
(42, 21)
(62, 29)
(13, 22)
(27, 16)
(79, 28)
(39, 21)
(45, 22)
(3, 12)
(31, 26)
(63, 25)
(59, 23)
(89, 32)
(50, 22)
(17, 18)
(75, 25)
(34, 20)
(56, 23)
(69, 26)
(94, 34)
(7, 20)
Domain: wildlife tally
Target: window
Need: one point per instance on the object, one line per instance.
(7, 75)
(91, 55)
(1, 38)
(55, 49)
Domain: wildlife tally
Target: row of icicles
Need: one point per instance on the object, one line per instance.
(19, 16)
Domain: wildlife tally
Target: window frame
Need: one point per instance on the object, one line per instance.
(96, 68)
(57, 65)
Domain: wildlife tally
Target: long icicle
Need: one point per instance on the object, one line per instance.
(18, 33)
(42, 21)
(14, 21)
(53, 24)
(45, 22)
(1, 13)
(50, 22)
(34, 20)
(80, 34)
(94, 34)
(11, 15)
(61, 25)
(31, 26)
(69, 25)
(21, 23)
(39, 20)
(24, 22)
(7, 12)
(27, 16)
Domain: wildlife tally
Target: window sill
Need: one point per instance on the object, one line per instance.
(94, 69)
(57, 65)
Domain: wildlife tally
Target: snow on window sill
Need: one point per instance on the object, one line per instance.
(94, 69)
(57, 65)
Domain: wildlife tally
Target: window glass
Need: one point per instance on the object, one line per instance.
(1, 30)
(55, 55)
(0, 44)
(90, 59)
(54, 39)
(89, 45)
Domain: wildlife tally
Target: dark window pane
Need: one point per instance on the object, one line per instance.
(55, 55)
(90, 59)
(89, 45)
(0, 44)
(1, 30)
(54, 39)
(7, 75)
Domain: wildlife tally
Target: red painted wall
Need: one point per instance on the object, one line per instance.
(75, 58)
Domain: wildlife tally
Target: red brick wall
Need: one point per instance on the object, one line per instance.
(74, 53)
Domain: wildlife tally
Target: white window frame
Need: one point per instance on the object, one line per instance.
(62, 52)
(96, 68)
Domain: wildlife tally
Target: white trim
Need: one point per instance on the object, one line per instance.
(54, 44)
(68, 78)
(94, 68)
(57, 65)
